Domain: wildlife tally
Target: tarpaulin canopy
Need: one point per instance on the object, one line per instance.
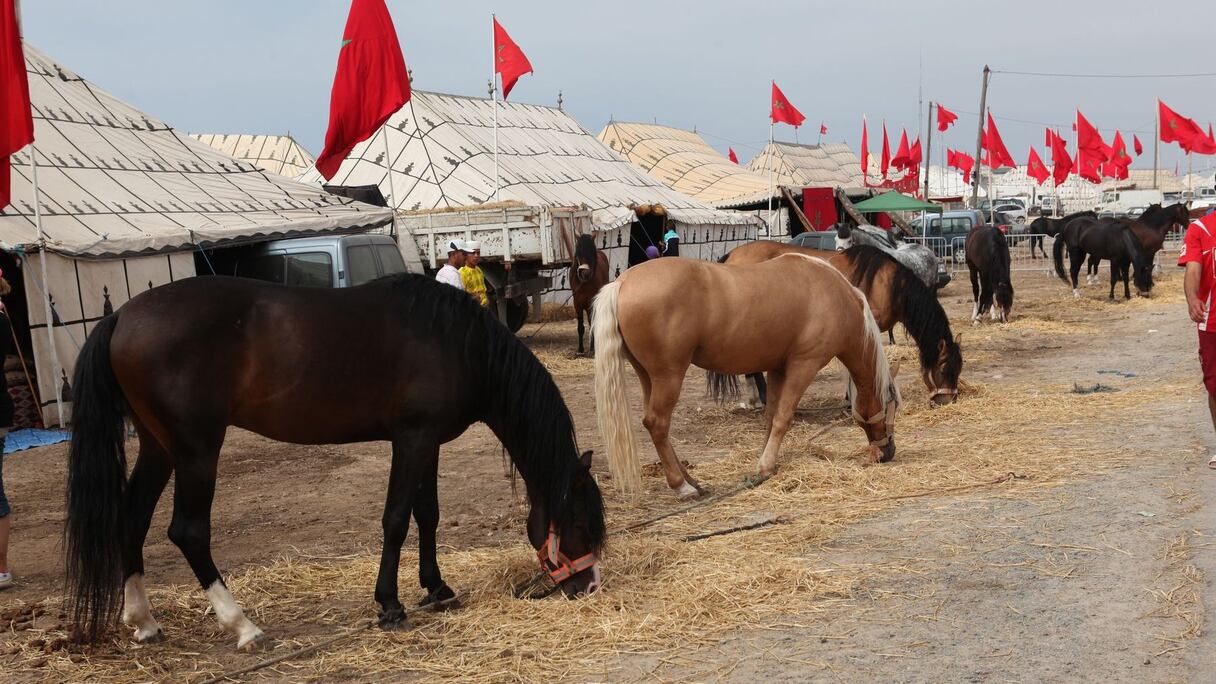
(895, 201)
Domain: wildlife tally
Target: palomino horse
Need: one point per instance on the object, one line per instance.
(588, 274)
(402, 359)
(988, 261)
(663, 315)
(1104, 239)
(895, 295)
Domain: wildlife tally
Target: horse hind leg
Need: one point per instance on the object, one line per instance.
(426, 516)
(783, 403)
(661, 403)
(148, 480)
(412, 455)
(190, 530)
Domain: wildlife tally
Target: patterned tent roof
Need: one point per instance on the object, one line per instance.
(684, 161)
(279, 154)
(829, 164)
(442, 155)
(115, 181)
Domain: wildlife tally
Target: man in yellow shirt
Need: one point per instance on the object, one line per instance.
(472, 276)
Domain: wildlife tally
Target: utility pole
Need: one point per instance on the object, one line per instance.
(979, 137)
(928, 150)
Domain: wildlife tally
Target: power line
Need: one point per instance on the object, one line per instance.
(1210, 74)
(1055, 125)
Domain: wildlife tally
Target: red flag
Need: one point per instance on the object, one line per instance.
(371, 82)
(1092, 150)
(1035, 168)
(945, 117)
(16, 117)
(509, 60)
(1061, 163)
(900, 160)
(884, 162)
(783, 111)
(961, 161)
(823, 128)
(1089, 166)
(1177, 128)
(865, 149)
(1119, 155)
(1136, 145)
(730, 152)
(915, 154)
(998, 154)
(1049, 137)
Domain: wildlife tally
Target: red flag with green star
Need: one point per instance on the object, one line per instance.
(783, 111)
(509, 61)
(371, 82)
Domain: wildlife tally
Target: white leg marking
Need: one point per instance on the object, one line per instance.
(1076, 294)
(230, 615)
(136, 612)
(687, 491)
(975, 311)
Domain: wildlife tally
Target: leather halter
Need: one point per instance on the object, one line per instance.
(941, 390)
(556, 564)
(879, 417)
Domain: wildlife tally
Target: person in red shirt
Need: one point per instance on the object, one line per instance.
(1198, 257)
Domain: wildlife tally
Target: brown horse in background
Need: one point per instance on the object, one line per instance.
(663, 315)
(895, 295)
(988, 261)
(589, 273)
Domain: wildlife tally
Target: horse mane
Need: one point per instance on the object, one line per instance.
(996, 259)
(584, 252)
(1088, 213)
(517, 397)
(922, 315)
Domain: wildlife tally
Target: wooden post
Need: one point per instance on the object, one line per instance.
(979, 137)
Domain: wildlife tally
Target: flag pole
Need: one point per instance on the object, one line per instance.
(771, 189)
(928, 150)
(1156, 144)
(388, 170)
(46, 293)
(494, 96)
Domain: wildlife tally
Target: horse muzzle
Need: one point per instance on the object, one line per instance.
(942, 396)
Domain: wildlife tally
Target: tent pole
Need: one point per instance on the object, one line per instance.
(494, 97)
(46, 292)
(388, 170)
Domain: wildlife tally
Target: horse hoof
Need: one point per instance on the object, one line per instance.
(439, 599)
(253, 643)
(391, 620)
(758, 479)
(148, 639)
(687, 492)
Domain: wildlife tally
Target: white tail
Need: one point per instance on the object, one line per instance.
(611, 402)
(884, 384)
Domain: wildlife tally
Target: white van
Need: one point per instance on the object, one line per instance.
(1118, 202)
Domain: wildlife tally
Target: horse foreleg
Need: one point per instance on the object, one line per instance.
(664, 393)
(190, 530)
(412, 454)
(1126, 271)
(578, 311)
(975, 295)
(591, 329)
(781, 411)
(426, 515)
(148, 480)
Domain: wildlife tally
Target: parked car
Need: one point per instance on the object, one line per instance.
(1016, 212)
(949, 227)
(825, 240)
(1047, 205)
(328, 261)
(1007, 224)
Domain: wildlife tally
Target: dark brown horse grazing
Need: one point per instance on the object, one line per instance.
(403, 359)
(588, 273)
(895, 295)
(1104, 239)
(988, 261)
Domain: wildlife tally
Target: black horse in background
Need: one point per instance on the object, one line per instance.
(403, 359)
(1051, 227)
(1104, 239)
(988, 260)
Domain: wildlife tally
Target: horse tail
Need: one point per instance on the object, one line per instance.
(721, 387)
(1057, 255)
(97, 477)
(611, 401)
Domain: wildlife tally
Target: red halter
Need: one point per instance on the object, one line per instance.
(554, 562)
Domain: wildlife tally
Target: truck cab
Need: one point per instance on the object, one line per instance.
(1118, 202)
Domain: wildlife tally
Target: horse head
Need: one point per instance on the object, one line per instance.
(942, 378)
(1041, 226)
(584, 258)
(1004, 300)
(568, 548)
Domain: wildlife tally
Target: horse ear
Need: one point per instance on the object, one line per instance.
(895, 368)
(941, 346)
(958, 339)
(585, 459)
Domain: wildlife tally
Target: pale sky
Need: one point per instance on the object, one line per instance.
(255, 66)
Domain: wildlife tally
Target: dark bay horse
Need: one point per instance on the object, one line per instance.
(1150, 228)
(896, 295)
(1110, 239)
(663, 315)
(402, 359)
(988, 261)
(589, 272)
(1051, 227)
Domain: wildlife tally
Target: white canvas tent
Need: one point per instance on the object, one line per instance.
(125, 200)
(441, 151)
(684, 161)
(279, 154)
(828, 165)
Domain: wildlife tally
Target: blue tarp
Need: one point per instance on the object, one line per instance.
(29, 438)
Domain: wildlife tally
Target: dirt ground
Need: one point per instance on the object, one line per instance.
(1096, 577)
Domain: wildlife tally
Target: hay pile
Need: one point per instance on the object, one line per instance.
(660, 594)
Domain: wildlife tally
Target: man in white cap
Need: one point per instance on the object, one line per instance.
(450, 273)
(471, 274)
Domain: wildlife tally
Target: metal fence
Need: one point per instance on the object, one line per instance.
(1028, 252)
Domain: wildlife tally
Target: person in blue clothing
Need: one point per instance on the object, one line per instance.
(671, 243)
